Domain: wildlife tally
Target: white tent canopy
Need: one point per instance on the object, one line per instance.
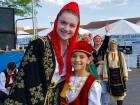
(83, 31)
(22, 33)
(121, 27)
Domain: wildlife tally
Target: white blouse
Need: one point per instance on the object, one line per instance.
(113, 59)
(56, 77)
(3, 81)
(77, 83)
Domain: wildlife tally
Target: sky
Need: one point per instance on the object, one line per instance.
(90, 11)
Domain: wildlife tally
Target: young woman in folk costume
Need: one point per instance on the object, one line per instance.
(81, 87)
(43, 68)
(116, 73)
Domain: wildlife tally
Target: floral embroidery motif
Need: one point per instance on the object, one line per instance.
(29, 57)
(19, 82)
(48, 61)
(12, 102)
(52, 95)
(36, 94)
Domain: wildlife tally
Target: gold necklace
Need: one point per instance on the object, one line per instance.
(74, 87)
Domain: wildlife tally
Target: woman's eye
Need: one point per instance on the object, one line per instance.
(72, 25)
(63, 22)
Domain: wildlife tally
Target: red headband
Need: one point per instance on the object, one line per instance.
(82, 46)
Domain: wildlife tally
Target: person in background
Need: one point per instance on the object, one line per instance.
(87, 37)
(100, 48)
(42, 70)
(116, 73)
(7, 78)
(81, 88)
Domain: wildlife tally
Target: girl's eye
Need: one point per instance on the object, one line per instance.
(63, 22)
(81, 56)
(73, 56)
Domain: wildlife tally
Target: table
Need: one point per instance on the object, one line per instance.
(10, 56)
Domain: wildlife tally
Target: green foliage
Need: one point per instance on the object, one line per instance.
(22, 7)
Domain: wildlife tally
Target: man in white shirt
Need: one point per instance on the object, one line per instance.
(7, 77)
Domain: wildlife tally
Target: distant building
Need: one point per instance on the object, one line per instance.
(23, 41)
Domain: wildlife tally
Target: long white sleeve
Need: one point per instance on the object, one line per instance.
(95, 94)
(2, 83)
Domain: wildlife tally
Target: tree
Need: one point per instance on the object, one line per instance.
(22, 7)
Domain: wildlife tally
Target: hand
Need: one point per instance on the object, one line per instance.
(125, 79)
(107, 28)
(8, 88)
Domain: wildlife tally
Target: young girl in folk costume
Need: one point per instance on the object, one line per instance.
(81, 87)
(116, 73)
(42, 70)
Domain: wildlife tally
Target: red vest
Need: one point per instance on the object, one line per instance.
(82, 98)
(7, 84)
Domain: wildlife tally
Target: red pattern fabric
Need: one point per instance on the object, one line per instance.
(13, 76)
(83, 46)
(96, 36)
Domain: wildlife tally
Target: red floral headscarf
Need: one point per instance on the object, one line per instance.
(97, 36)
(55, 39)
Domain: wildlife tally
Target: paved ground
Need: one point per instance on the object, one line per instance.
(133, 86)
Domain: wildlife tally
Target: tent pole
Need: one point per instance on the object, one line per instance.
(34, 19)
